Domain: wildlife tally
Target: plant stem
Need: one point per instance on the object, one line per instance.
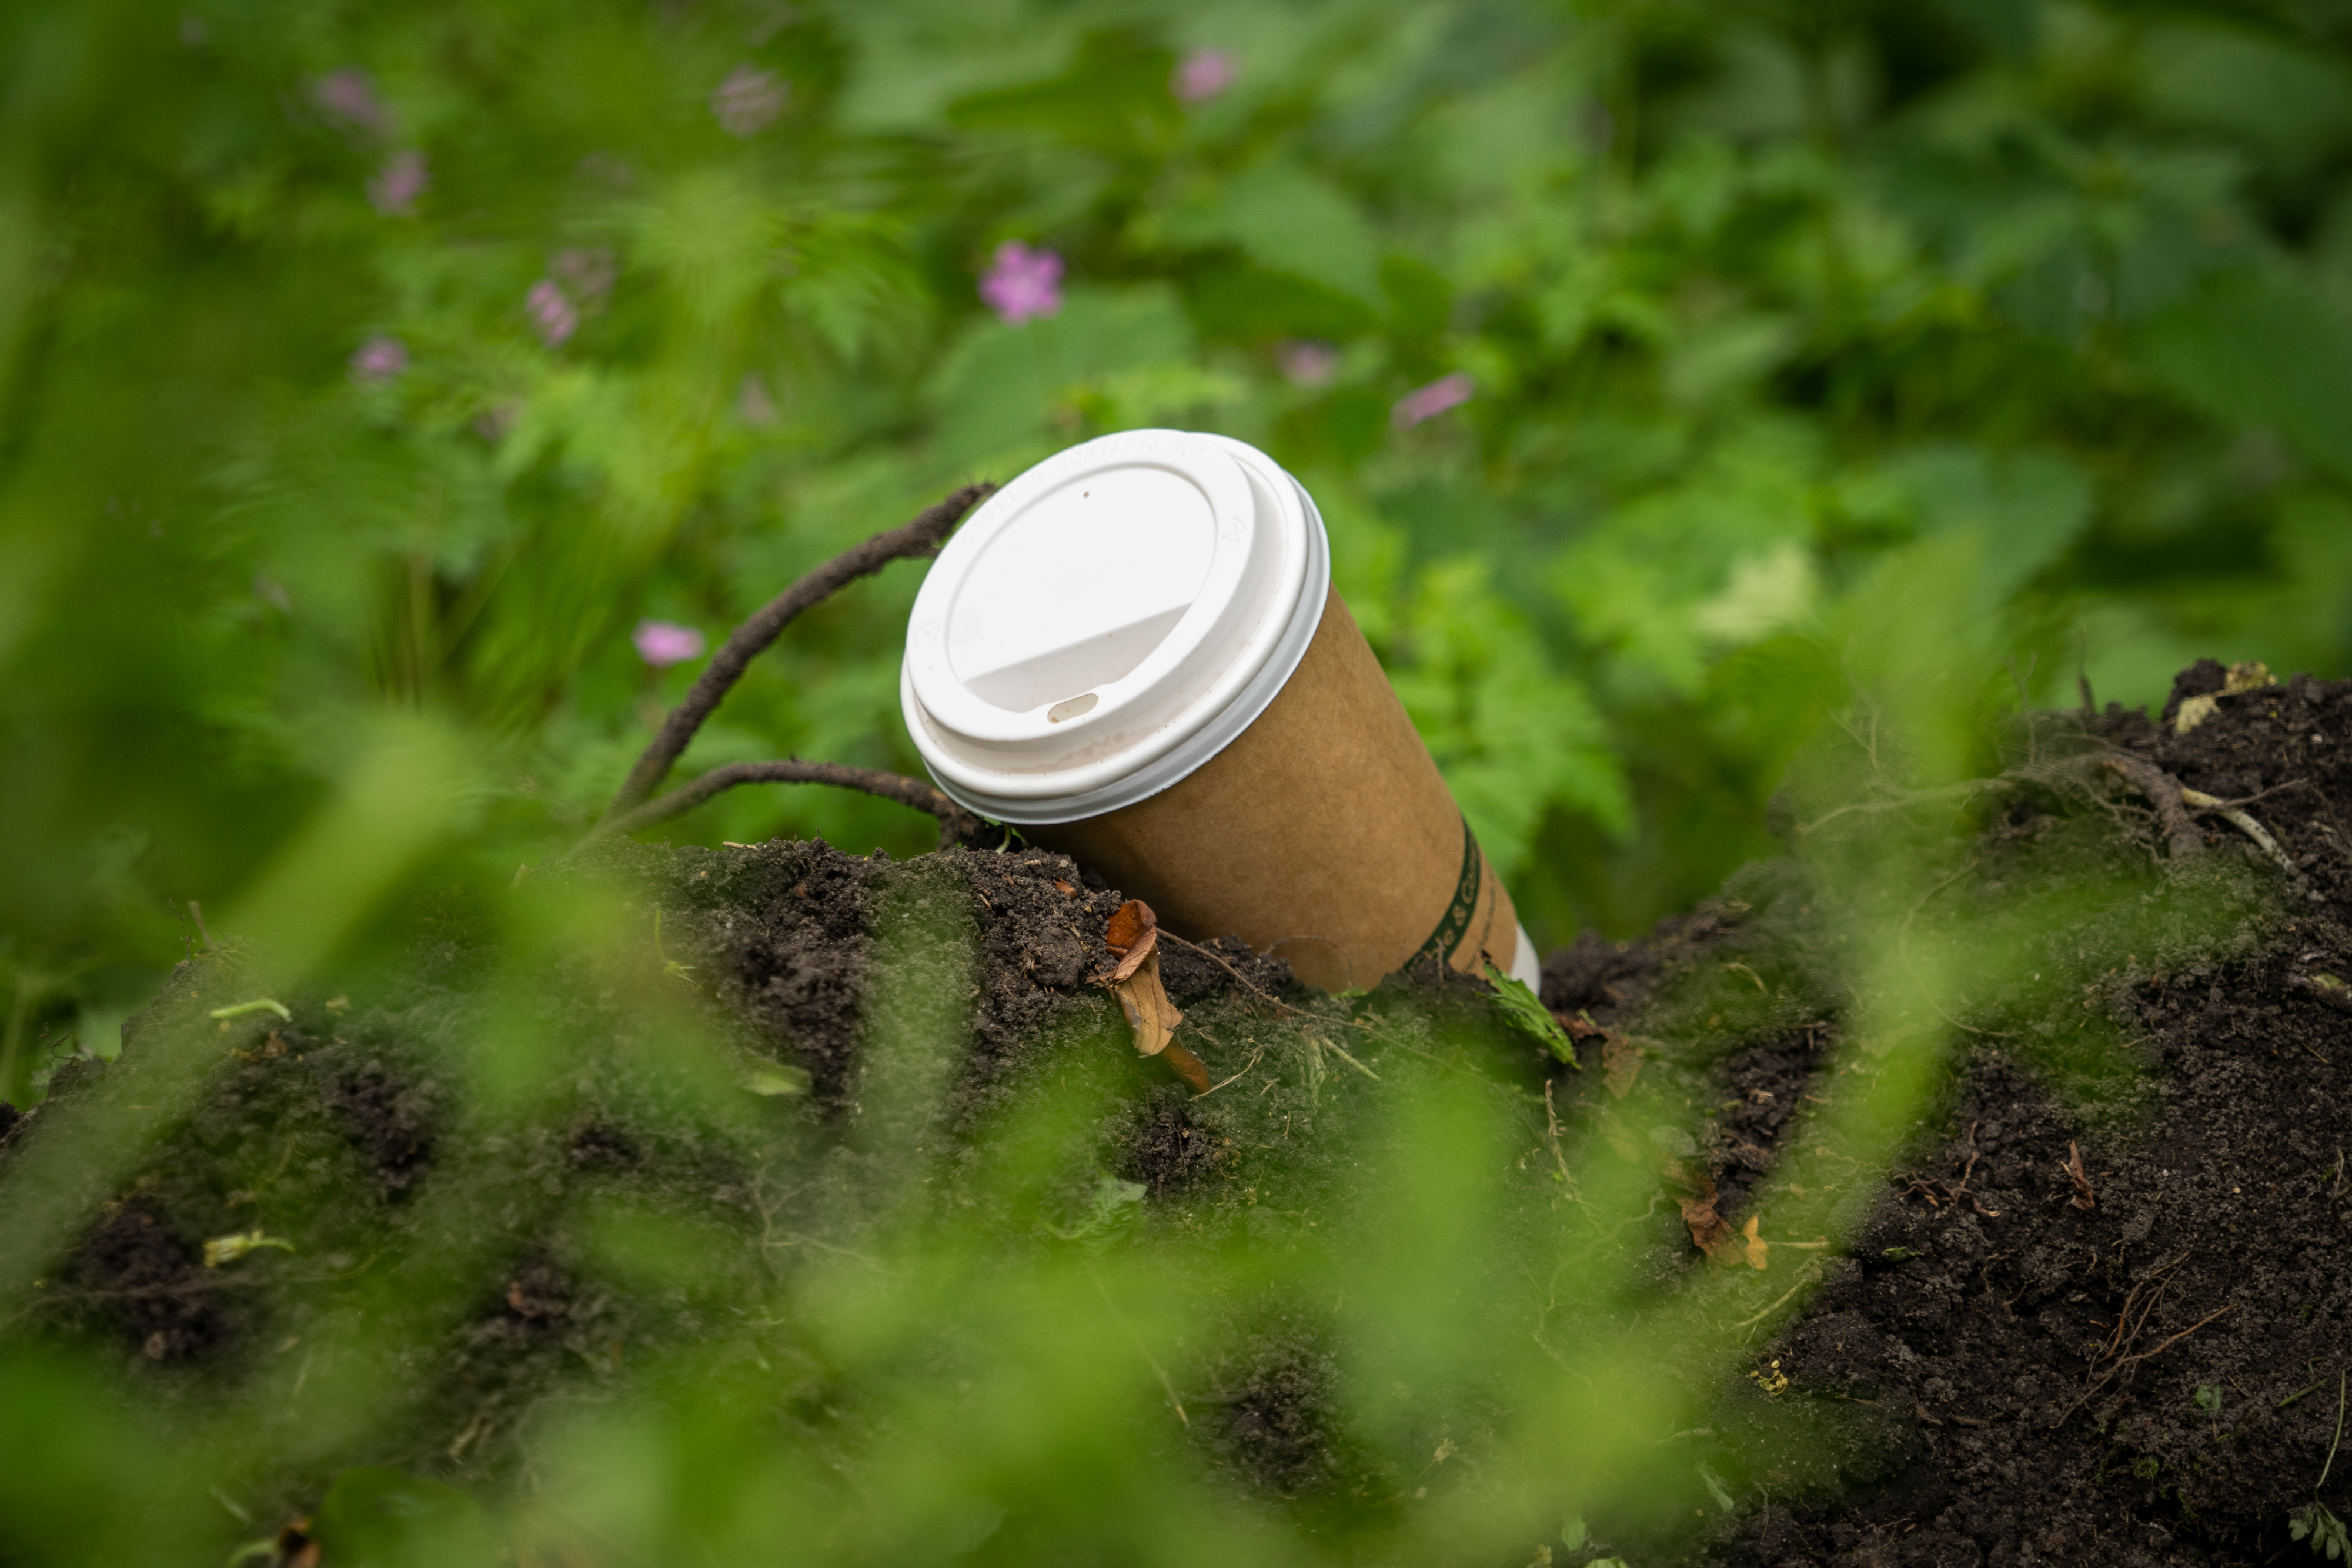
(12, 1043)
(2340, 1437)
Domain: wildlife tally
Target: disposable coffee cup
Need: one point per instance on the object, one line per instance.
(1133, 652)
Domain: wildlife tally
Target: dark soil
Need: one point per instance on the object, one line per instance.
(2150, 1374)
(2145, 1373)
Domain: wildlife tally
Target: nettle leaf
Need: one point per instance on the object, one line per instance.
(2292, 102)
(2260, 351)
(1001, 384)
(2028, 506)
(1287, 220)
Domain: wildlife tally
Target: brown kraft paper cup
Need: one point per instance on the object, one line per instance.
(1323, 833)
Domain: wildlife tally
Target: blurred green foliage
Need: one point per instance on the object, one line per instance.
(1761, 301)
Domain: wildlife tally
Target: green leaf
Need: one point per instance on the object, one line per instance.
(2294, 103)
(2028, 507)
(1530, 1017)
(1001, 385)
(1289, 221)
(1113, 1211)
(2262, 352)
(375, 1517)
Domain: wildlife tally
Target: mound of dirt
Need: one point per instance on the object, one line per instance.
(2134, 1358)
(2092, 1314)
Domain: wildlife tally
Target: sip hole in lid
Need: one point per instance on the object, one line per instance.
(1109, 621)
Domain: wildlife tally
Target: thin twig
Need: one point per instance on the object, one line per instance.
(1551, 1134)
(2160, 788)
(1239, 978)
(915, 792)
(1808, 1277)
(1237, 1077)
(2338, 1439)
(922, 537)
(1909, 799)
(1158, 1371)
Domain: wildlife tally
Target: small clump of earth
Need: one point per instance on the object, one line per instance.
(2094, 1312)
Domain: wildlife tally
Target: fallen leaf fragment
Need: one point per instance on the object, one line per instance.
(1146, 946)
(1620, 1063)
(1759, 1250)
(1149, 1013)
(1709, 1234)
(2073, 1165)
(1134, 931)
(1127, 925)
(1187, 1067)
(1064, 889)
(2251, 676)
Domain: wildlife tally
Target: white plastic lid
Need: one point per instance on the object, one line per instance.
(1111, 621)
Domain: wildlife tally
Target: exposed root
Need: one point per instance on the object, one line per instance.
(2245, 823)
(2120, 1360)
(2163, 791)
(922, 537)
(955, 822)
(2182, 840)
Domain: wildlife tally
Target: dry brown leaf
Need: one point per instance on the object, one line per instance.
(1709, 1234)
(1187, 1067)
(1620, 1063)
(1144, 948)
(2073, 1165)
(1149, 1013)
(1581, 1029)
(1129, 925)
(1064, 889)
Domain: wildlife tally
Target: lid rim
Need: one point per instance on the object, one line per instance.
(1155, 679)
(1194, 750)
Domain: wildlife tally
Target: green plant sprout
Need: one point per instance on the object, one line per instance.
(2208, 1398)
(771, 1078)
(1530, 1017)
(222, 1250)
(2316, 1522)
(670, 966)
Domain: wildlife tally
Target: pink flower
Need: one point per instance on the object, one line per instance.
(379, 359)
(662, 644)
(1429, 402)
(1203, 74)
(1306, 363)
(349, 96)
(403, 177)
(1021, 282)
(749, 100)
(589, 274)
(753, 404)
(493, 422)
(551, 312)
